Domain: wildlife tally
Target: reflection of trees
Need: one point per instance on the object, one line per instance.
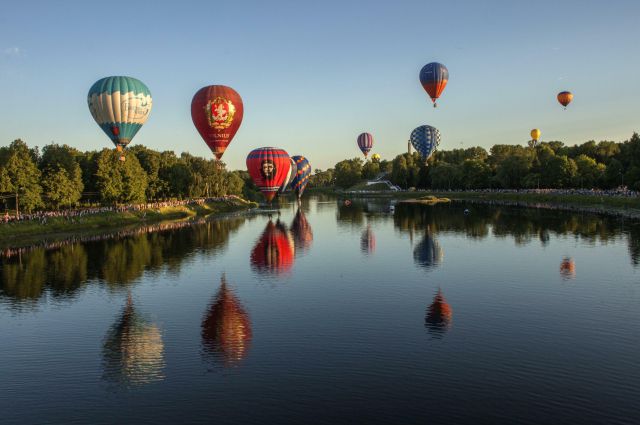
(438, 317)
(302, 234)
(352, 215)
(226, 328)
(367, 241)
(521, 224)
(62, 271)
(274, 251)
(133, 351)
(567, 268)
(428, 253)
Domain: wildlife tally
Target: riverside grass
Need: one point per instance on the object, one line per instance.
(27, 233)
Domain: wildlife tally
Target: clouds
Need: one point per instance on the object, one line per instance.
(14, 51)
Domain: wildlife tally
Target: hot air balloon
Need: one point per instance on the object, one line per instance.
(425, 139)
(268, 167)
(120, 106)
(302, 234)
(567, 268)
(368, 241)
(375, 157)
(535, 137)
(291, 175)
(274, 252)
(439, 314)
(226, 328)
(365, 143)
(217, 112)
(133, 351)
(301, 179)
(434, 77)
(565, 98)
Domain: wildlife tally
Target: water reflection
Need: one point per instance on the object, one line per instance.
(567, 268)
(302, 233)
(428, 253)
(438, 317)
(60, 270)
(133, 351)
(368, 241)
(226, 328)
(274, 251)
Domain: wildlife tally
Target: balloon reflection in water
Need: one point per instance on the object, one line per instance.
(302, 234)
(428, 252)
(439, 313)
(133, 351)
(274, 251)
(368, 241)
(226, 329)
(568, 268)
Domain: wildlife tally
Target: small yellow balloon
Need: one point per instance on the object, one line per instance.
(375, 157)
(535, 134)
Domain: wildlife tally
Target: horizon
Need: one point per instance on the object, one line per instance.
(306, 73)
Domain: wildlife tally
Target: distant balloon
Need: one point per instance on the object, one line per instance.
(365, 143)
(217, 112)
(439, 314)
(567, 268)
(120, 106)
(375, 157)
(368, 241)
(274, 252)
(535, 137)
(302, 234)
(428, 253)
(293, 171)
(565, 98)
(301, 179)
(425, 139)
(226, 328)
(434, 77)
(268, 167)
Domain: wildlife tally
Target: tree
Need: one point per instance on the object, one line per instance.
(120, 181)
(21, 175)
(348, 172)
(589, 173)
(511, 171)
(476, 174)
(559, 172)
(61, 175)
(446, 176)
(370, 170)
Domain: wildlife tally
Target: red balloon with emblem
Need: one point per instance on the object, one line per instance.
(269, 168)
(217, 114)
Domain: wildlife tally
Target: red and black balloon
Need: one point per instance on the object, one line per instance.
(268, 168)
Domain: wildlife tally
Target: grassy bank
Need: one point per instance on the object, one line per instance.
(59, 228)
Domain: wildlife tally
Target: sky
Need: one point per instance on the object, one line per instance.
(315, 74)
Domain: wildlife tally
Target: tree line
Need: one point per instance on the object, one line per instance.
(59, 176)
(551, 165)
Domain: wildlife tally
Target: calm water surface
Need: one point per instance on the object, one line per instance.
(330, 314)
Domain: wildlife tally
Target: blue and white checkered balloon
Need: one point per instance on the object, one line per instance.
(425, 139)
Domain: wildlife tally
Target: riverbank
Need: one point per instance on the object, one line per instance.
(34, 232)
(622, 206)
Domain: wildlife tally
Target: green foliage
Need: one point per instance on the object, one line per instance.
(348, 172)
(61, 175)
(446, 176)
(512, 170)
(21, 175)
(120, 181)
(370, 170)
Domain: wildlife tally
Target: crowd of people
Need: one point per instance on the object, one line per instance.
(73, 214)
(621, 191)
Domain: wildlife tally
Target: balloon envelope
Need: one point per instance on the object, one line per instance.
(439, 314)
(302, 234)
(434, 77)
(365, 143)
(565, 98)
(425, 139)
(293, 170)
(120, 105)
(217, 113)
(268, 168)
(274, 252)
(301, 179)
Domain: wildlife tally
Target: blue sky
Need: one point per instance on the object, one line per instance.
(313, 75)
